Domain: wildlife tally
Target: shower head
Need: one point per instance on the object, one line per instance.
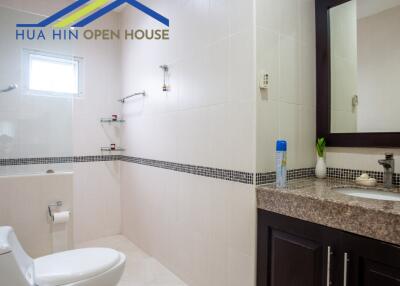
(9, 88)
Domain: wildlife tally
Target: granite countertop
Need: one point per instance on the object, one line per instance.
(314, 200)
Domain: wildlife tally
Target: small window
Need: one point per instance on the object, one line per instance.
(48, 74)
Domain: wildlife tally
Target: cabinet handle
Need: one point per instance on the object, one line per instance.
(328, 266)
(346, 261)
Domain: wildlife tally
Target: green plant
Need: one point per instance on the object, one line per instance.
(321, 144)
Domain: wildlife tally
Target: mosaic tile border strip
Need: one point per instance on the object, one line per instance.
(58, 160)
(223, 174)
(270, 177)
(227, 175)
(348, 174)
(301, 173)
(265, 178)
(338, 173)
(100, 158)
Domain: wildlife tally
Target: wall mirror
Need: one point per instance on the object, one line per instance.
(358, 72)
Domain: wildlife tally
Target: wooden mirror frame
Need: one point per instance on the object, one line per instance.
(387, 139)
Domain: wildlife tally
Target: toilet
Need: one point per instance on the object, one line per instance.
(81, 267)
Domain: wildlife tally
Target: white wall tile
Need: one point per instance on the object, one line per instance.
(307, 22)
(241, 67)
(286, 110)
(191, 223)
(289, 69)
(289, 18)
(242, 219)
(24, 207)
(240, 133)
(268, 14)
(204, 77)
(97, 205)
(241, 62)
(267, 133)
(56, 127)
(359, 158)
(193, 142)
(30, 126)
(268, 61)
(96, 185)
(241, 15)
(307, 75)
(307, 137)
(218, 22)
(240, 269)
(289, 131)
(218, 120)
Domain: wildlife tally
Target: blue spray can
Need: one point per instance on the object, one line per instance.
(280, 163)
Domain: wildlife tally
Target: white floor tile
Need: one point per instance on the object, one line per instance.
(141, 269)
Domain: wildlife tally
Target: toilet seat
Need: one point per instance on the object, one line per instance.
(74, 266)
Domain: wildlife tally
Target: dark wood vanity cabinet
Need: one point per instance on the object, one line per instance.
(371, 262)
(293, 252)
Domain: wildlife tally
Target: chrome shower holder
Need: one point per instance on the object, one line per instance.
(123, 100)
(165, 68)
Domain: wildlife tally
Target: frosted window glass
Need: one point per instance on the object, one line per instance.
(53, 75)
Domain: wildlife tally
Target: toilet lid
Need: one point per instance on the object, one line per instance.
(72, 266)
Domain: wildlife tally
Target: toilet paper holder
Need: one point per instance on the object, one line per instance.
(55, 205)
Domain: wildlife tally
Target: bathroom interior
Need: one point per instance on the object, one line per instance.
(257, 144)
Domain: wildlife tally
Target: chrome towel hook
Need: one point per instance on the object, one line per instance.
(9, 88)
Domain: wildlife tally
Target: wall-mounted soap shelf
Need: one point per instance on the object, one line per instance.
(108, 149)
(110, 120)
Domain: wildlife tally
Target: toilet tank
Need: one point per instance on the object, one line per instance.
(16, 267)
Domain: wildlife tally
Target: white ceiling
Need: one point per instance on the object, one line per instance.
(41, 7)
(367, 8)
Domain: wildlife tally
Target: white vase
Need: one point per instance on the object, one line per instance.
(320, 169)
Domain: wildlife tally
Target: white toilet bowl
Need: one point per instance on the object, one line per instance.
(81, 267)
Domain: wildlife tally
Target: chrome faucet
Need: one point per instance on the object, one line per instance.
(388, 165)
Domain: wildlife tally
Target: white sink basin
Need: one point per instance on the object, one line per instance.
(370, 194)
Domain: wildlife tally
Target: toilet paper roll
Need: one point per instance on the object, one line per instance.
(60, 217)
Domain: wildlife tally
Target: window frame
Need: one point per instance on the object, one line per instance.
(26, 69)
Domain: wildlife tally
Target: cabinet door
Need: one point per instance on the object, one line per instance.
(292, 252)
(371, 262)
(295, 260)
